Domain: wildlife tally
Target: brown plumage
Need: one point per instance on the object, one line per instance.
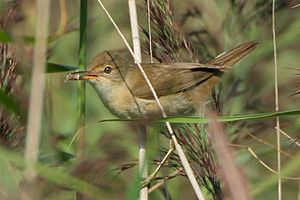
(181, 87)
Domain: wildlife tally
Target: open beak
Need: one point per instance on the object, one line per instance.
(81, 75)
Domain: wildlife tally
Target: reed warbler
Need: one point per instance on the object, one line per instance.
(182, 88)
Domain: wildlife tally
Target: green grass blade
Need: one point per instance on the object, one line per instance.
(54, 68)
(232, 118)
(81, 85)
(203, 120)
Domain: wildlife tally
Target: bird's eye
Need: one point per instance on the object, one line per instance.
(107, 69)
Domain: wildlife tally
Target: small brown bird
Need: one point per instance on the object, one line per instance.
(182, 88)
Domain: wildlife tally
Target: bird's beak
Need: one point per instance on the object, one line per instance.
(81, 75)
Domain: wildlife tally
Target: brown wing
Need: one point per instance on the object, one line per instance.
(234, 55)
(169, 79)
(174, 77)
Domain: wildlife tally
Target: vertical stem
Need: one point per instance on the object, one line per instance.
(143, 168)
(81, 84)
(36, 94)
(37, 88)
(149, 30)
(135, 31)
(177, 146)
(276, 103)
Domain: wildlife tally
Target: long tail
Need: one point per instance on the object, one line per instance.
(234, 55)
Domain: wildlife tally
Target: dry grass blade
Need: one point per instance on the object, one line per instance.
(293, 140)
(235, 181)
(276, 102)
(251, 151)
(163, 181)
(168, 42)
(196, 144)
(36, 95)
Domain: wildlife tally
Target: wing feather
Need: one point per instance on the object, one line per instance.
(169, 79)
(175, 77)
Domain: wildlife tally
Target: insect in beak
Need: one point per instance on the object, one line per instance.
(81, 75)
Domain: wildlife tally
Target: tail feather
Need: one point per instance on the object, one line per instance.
(234, 55)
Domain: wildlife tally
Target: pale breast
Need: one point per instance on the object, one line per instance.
(175, 104)
(120, 101)
(123, 104)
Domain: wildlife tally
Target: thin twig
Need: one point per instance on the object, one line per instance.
(276, 103)
(250, 150)
(162, 182)
(75, 135)
(289, 168)
(149, 30)
(263, 142)
(290, 138)
(160, 165)
(143, 167)
(178, 148)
